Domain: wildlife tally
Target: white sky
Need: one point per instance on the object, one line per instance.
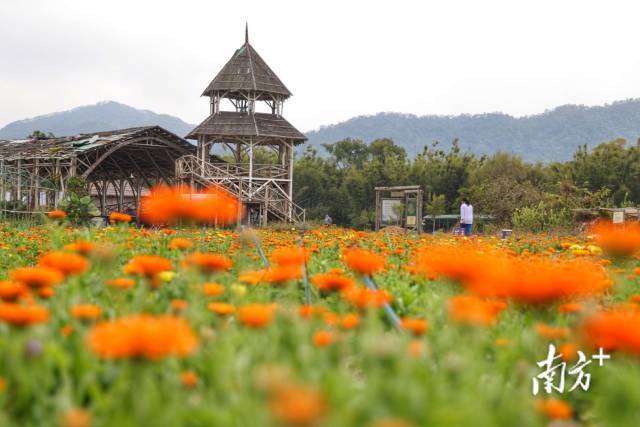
(339, 58)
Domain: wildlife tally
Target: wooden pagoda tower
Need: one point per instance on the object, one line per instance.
(244, 85)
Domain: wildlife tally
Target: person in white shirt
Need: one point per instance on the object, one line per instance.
(466, 216)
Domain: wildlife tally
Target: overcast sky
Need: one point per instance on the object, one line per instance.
(339, 58)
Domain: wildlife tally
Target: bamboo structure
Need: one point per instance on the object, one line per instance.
(119, 166)
(247, 84)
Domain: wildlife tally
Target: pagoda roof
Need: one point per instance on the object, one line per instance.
(237, 124)
(247, 71)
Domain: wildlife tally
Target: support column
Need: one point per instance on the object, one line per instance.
(250, 169)
(290, 177)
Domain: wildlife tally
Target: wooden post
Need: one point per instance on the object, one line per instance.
(250, 169)
(103, 197)
(290, 177)
(19, 182)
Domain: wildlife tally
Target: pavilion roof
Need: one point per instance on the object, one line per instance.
(238, 124)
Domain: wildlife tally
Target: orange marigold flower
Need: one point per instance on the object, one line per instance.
(415, 326)
(298, 405)
(554, 409)
(323, 338)
(46, 292)
(23, 315)
(208, 262)
(614, 329)
(571, 307)
(474, 311)
(350, 321)
(502, 342)
(189, 379)
(10, 291)
(86, 311)
(282, 274)
(362, 261)
(213, 289)
(144, 336)
(328, 282)
(122, 282)
(178, 304)
(119, 217)
(251, 277)
(256, 315)
(551, 332)
(81, 246)
(76, 418)
(180, 244)
(221, 308)
(293, 256)
(66, 330)
(3, 384)
(365, 298)
(36, 277)
(65, 262)
(57, 214)
(416, 348)
(569, 351)
(148, 266)
(618, 239)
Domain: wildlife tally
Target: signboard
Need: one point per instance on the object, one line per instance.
(390, 208)
(411, 220)
(397, 194)
(618, 217)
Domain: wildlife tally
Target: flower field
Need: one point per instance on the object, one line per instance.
(124, 326)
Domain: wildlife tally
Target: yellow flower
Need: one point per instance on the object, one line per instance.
(167, 276)
(239, 290)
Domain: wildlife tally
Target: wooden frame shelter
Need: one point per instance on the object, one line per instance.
(246, 83)
(401, 206)
(119, 167)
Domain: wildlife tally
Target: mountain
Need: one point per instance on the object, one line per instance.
(106, 115)
(550, 136)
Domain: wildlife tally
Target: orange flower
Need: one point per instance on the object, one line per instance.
(122, 282)
(23, 315)
(618, 239)
(119, 217)
(81, 246)
(180, 244)
(37, 276)
(45, 292)
(10, 291)
(167, 205)
(551, 332)
(328, 282)
(306, 311)
(66, 263)
(251, 277)
(76, 418)
(416, 348)
(298, 405)
(415, 326)
(148, 266)
(142, 335)
(189, 379)
(323, 338)
(66, 330)
(474, 311)
(350, 321)
(615, 329)
(502, 342)
(208, 262)
(366, 298)
(57, 214)
(569, 351)
(86, 311)
(3, 384)
(362, 261)
(256, 315)
(178, 304)
(292, 256)
(570, 307)
(554, 409)
(221, 308)
(212, 289)
(282, 274)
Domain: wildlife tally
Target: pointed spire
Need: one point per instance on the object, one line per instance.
(246, 33)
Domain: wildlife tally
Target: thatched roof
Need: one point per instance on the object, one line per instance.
(69, 146)
(247, 71)
(257, 125)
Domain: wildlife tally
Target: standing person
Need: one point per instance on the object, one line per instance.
(466, 216)
(327, 220)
